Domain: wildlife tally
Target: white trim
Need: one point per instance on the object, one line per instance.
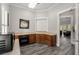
(58, 24)
(72, 40)
(58, 33)
(76, 30)
(68, 9)
(66, 16)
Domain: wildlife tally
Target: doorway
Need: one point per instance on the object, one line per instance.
(66, 29)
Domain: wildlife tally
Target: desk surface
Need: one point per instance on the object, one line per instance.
(26, 33)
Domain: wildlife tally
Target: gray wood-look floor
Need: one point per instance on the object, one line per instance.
(66, 48)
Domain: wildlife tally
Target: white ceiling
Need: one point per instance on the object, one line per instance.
(39, 6)
(44, 6)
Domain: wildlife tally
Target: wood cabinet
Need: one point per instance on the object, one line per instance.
(54, 37)
(43, 39)
(40, 38)
(32, 38)
(50, 40)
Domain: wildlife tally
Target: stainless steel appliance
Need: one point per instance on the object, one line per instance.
(6, 43)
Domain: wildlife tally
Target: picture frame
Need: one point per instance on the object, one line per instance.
(24, 24)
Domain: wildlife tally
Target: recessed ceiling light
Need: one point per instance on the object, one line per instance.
(32, 5)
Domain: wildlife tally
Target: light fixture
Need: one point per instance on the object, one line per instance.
(32, 5)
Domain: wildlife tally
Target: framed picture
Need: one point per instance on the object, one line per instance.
(24, 24)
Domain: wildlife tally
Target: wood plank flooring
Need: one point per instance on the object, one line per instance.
(41, 49)
(66, 48)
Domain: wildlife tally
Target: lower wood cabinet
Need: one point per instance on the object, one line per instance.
(32, 38)
(50, 40)
(38, 38)
(43, 39)
(54, 37)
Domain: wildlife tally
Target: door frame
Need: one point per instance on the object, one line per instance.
(77, 31)
(58, 24)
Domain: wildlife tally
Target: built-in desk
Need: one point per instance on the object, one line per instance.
(39, 37)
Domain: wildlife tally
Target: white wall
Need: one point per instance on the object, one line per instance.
(41, 14)
(52, 22)
(53, 19)
(53, 16)
(18, 13)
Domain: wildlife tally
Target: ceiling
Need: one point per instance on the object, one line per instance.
(39, 6)
(44, 6)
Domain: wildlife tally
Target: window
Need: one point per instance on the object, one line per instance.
(42, 25)
(4, 22)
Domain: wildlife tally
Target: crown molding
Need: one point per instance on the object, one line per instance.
(53, 7)
(32, 10)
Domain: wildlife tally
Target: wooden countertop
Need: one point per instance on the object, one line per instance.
(21, 33)
(48, 33)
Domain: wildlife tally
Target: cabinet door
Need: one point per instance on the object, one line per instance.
(54, 40)
(32, 38)
(42, 38)
(49, 40)
(38, 38)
